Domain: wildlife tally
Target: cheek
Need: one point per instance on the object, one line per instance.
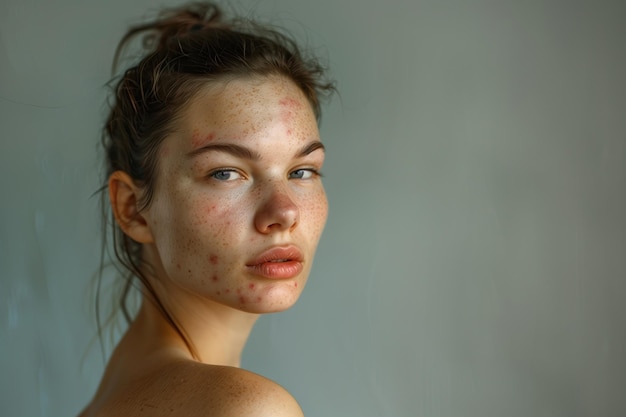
(192, 232)
(209, 217)
(317, 211)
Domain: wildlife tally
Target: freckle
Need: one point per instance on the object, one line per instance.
(251, 286)
(227, 291)
(259, 299)
(238, 290)
(189, 270)
(213, 259)
(215, 278)
(295, 284)
(218, 293)
(178, 266)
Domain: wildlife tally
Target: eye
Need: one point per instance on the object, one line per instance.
(225, 175)
(303, 174)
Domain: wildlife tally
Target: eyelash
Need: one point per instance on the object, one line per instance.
(213, 174)
(314, 173)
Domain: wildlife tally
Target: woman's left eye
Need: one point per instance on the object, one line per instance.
(303, 174)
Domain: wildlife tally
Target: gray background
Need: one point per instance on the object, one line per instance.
(473, 263)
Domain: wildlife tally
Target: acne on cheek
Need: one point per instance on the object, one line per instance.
(200, 216)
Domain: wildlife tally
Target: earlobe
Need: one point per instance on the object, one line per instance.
(124, 195)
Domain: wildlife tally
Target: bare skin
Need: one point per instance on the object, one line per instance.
(144, 379)
(238, 185)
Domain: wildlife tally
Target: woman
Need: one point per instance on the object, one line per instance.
(214, 159)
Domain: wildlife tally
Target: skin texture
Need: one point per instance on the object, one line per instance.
(236, 178)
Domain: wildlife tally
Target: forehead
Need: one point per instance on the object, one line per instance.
(258, 112)
(243, 99)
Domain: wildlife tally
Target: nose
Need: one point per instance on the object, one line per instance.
(278, 212)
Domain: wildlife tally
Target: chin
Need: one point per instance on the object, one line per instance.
(273, 300)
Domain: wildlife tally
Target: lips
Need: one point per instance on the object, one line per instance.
(277, 263)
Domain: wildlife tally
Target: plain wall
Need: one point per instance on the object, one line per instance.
(474, 260)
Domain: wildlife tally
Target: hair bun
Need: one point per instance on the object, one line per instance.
(174, 22)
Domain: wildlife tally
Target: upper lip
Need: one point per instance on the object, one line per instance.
(278, 253)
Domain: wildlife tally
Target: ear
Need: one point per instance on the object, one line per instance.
(124, 196)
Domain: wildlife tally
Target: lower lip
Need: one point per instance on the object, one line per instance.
(277, 270)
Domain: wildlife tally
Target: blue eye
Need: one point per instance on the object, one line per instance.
(225, 175)
(303, 174)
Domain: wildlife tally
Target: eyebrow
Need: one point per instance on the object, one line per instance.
(313, 146)
(246, 153)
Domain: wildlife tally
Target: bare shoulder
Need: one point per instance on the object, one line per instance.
(244, 393)
(186, 388)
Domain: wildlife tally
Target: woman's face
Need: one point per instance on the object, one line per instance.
(239, 206)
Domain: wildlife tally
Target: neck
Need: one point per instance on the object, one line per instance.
(207, 331)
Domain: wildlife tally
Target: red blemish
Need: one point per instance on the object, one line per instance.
(238, 290)
(227, 291)
(286, 116)
(197, 141)
(259, 299)
(215, 278)
(195, 138)
(290, 102)
(295, 284)
(251, 286)
(213, 259)
(289, 106)
(242, 300)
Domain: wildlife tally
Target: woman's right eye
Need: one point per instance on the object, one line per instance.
(225, 175)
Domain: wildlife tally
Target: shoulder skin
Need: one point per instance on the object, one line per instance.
(189, 389)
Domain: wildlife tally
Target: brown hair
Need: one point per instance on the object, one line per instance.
(185, 48)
